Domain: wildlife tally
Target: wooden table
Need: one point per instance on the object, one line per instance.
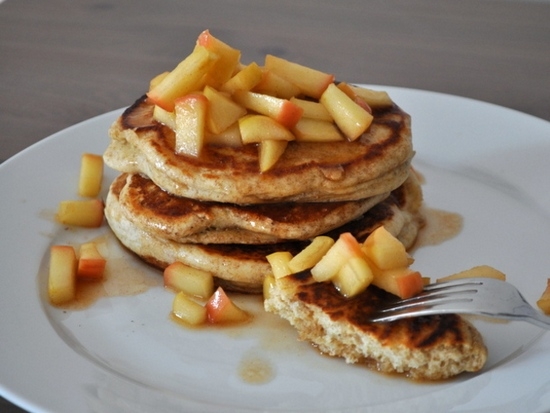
(62, 62)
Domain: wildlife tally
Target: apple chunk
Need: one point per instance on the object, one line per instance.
(221, 309)
(279, 263)
(192, 281)
(226, 64)
(188, 76)
(274, 85)
(245, 79)
(402, 282)
(315, 130)
(477, 271)
(62, 274)
(345, 247)
(351, 118)
(310, 255)
(256, 128)
(354, 277)
(91, 175)
(282, 110)
(87, 213)
(187, 310)
(385, 251)
(190, 123)
(310, 81)
(91, 264)
(270, 152)
(544, 301)
(222, 111)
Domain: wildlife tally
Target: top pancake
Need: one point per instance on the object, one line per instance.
(375, 163)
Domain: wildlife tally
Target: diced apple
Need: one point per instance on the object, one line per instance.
(91, 175)
(354, 277)
(245, 79)
(157, 79)
(310, 255)
(314, 130)
(165, 117)
(221, 309)
(312, 110)
(87, 213)
(282, 110)
(310, 81)
(345, 247)
(190, 113)
(187, 310)
(279, 263)
(351, 118)
(187, 77)
(192, 281)
(386, 251)
(62, 274)
(274, 85)
(229, 137)
(347, 89)
(228, 59)
(478, 271)
(374, 98)
(544, 301)
(91, 264)
(256, 128)
(269, 153)
(402, 282)
(222, 111)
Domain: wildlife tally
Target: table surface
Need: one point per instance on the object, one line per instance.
(62, 62)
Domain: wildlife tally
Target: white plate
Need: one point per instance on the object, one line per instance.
(123, 354)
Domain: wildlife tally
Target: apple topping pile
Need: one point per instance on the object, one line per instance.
(381, 260)
(211, 97)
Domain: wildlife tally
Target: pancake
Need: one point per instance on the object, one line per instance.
(187, 220)
(241, 267)
(424, 348)
(374, 164)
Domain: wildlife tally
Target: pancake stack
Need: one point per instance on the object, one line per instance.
(217, 212)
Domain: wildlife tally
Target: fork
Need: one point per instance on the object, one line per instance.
(481, 296)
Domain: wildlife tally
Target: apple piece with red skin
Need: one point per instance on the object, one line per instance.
(351, 118)
(256, 128)
(269, 153)
(81, 213)
(221, 309)
(345, 247)
(402, 282)
(62, 274)
(192, 281)
(374, 98)
(282, 110)
(187, 77)
(310, 255)
(228, 59)
(188, 311)
(279, 263)
(311, 82)
(91, 264)
(190, 111)
(386, 251)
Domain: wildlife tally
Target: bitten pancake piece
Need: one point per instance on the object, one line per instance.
(186, 220)
(376, 163)
(425, 348)
(241, 267)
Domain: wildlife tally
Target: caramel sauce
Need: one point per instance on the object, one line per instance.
(439, 226)
(255, 369)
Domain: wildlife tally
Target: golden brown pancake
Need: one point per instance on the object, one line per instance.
(427, 348)
(376, 163)
(243, 267)
(187, 220)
